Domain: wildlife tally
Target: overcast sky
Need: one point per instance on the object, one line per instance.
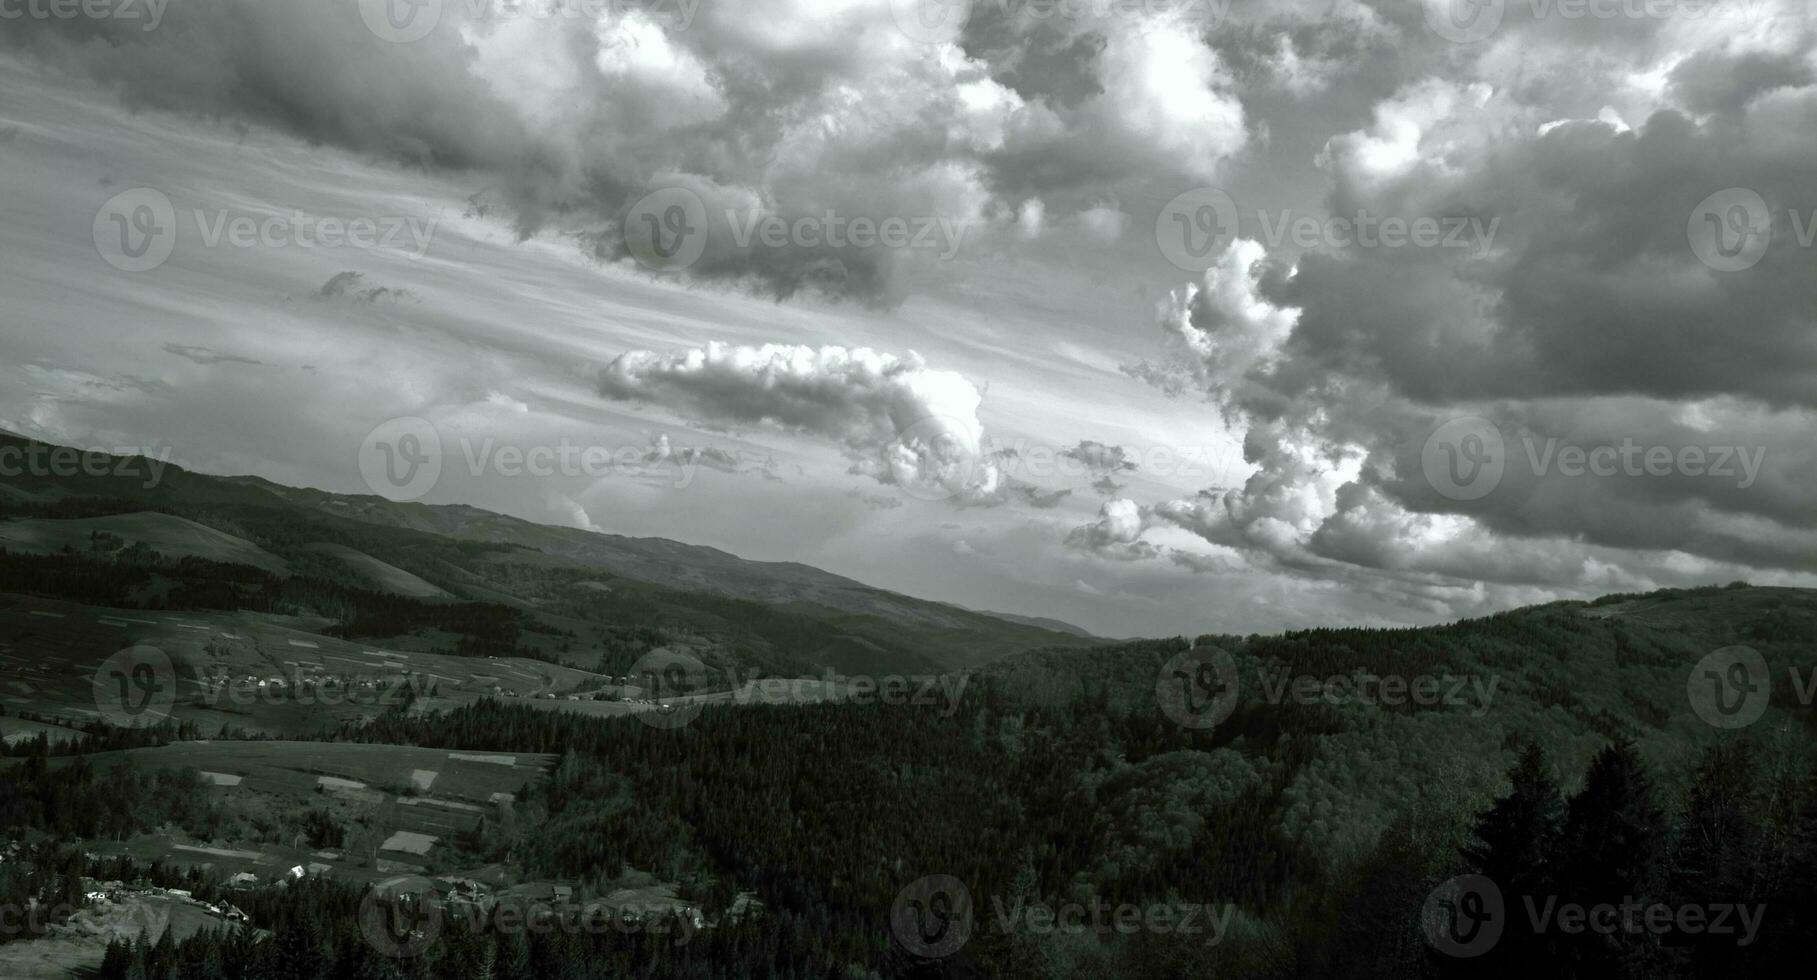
(1155, 317)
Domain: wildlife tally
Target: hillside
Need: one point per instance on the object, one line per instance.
(164, 533)
(571, 588)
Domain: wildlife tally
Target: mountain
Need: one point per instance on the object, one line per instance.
(792, 616)
(1316, 808)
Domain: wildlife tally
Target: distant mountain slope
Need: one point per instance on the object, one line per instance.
(1351, 756)
(658, 561)
(388, 578)
(173, 536)
(458, 549)
(1057, 625)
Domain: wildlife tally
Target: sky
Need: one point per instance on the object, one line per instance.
(1157, 316)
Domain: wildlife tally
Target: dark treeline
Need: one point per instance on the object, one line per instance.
(78, 799)
(99, 736)
(1740, 857)
(70, 508)
(319, 930)
(826, 812)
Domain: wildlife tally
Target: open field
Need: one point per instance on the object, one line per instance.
(304, 770)
(400, 803)
(171, 536)
(77, 946)
(14, 730)
(50, 651)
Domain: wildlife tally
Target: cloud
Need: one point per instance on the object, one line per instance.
(663, 455)
(206, 356)
(1035, 496)
(1592, 318)
(901, 422)
(792, 109)
(1106, 98)
(347, 284)
(1100, 458)
(569, 511)
(1116, 533)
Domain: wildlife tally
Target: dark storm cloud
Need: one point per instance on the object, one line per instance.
(1592, 311)
(780, 109)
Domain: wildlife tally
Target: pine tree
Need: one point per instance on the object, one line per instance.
(114, 962)
(1514, 846)
(1613, 852)
(1720, 850)
(1790, 931)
